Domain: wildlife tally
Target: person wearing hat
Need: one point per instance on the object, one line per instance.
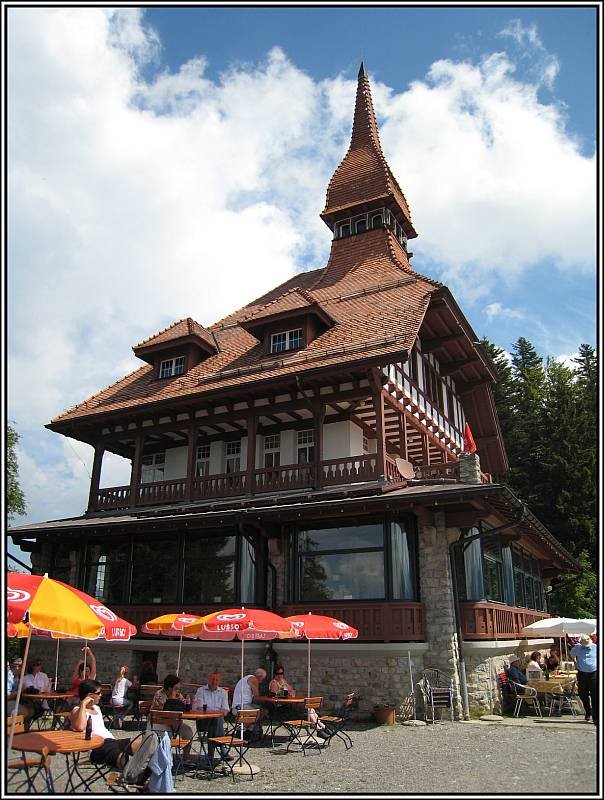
(516, 673)
(26, 707)
(586, 658)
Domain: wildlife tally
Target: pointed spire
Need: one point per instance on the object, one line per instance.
(364, 126)
(362, 73)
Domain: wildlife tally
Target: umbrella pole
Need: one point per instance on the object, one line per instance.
(85, 654)
(242, 700)
(179, 650)
(308, 640)
(18, 698)
(412, 686)
(57, 665)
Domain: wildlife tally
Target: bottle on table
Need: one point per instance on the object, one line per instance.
(88, 734)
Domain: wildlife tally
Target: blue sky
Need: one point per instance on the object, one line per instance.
(173, 162)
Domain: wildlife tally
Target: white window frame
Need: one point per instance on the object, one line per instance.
(171, 367)
(289, 339)
(202, 460)
(272, 450)
(232, 456)
(154, 468)
(305, 441)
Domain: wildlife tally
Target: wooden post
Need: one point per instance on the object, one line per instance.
(380, 434)
(95, 480)
(191, 459)
(135, 477)
(402, 434)
(319, 418)
(425, 449)
(250, 478)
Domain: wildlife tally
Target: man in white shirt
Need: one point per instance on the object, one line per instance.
(212, 698)
(38, 680)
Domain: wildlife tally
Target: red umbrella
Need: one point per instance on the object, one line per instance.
(316, 626)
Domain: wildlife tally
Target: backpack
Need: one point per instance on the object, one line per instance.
(136, 770)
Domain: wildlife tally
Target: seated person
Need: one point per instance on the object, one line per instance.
(533, 665)
(552, 661)
(245, 696)
(212, 698)
(516, 674)
(120, 703)
(26, 707)
(114, 752)
(81, 673)
(170, 698)
(36, 681)
(279, 686)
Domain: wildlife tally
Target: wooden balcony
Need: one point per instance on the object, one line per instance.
(375, 621)
(448, 469)
(495, 620)
(333, 472)
(396, 621)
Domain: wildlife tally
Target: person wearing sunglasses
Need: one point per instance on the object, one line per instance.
(279, 686)
(114, 752)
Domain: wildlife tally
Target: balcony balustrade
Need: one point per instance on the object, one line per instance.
(333, 472)
(486, 620)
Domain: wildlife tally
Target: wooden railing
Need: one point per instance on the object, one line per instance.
(278, 479)
(375, 621)
(162, 492)
(226, 485)
(116, 497)
(355, 469)
(486, 620)
(427, 472)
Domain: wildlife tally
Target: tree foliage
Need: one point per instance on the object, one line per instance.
(548, 416)
(15, 499)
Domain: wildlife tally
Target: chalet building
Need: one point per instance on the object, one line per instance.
(306, 453)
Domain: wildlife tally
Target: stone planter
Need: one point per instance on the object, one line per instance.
(384, 715)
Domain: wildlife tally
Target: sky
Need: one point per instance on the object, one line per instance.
(173, 162)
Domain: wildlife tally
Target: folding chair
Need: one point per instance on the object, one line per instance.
(171, 721)
(334, 726)
(23, 765)
(234, 741)
(437, 689)
(298, 728)
(526, 695)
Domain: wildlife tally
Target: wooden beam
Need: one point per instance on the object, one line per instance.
(252, 423)
(453, 366)
(135, 475)
(430, 345)
(468, 387)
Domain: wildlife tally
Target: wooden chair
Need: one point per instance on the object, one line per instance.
(234, 741)
(334, 725)
(299, 728)
(27, 766)
(105, 702)
(172, 722)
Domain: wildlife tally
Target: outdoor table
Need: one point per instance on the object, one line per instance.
(544, 687)
(272, 703)
(201, 734)
(51, 697)
(68, 743)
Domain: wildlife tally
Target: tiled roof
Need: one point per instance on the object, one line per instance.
(368, 288)
(364, 175)
(184, 327)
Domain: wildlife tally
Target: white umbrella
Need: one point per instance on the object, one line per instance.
(558, 626)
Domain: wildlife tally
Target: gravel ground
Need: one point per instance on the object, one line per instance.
(444, 758)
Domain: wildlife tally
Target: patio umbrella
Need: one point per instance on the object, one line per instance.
(61, 610)
(559, 627)
(245, 624)
(316, 626)
(172, 625)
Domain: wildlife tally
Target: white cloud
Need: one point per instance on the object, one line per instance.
(134, 204)
(545, 66)
(568, 360)
(497, 310)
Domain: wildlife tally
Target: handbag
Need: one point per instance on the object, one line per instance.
(174, 704)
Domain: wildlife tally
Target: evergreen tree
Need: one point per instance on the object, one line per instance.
(573, 595)
(503, 388)
(15, 499)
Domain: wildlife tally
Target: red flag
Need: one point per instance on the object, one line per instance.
(469, 445)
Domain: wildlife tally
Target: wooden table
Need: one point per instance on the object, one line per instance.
(52, 697)
(68, 743)
(202, 735)
(273, 703)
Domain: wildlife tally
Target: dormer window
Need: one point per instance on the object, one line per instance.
(344, 230)
(286, 340)
(171, 367)
(361, 226)
(377, 221)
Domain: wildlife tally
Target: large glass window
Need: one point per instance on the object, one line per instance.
(493, 570)
(106, 572)
(153, 467)
(306, 446)
(155, 571)
(202, 462)
(402, 557)
(272, 450)
(209, 569)
(233, 456)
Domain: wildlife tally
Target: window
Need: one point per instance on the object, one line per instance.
(286, 340)
(65, 560)
(202, 462)
(272, 446)
(306, 447)
(365, 444)
(377, 221)
(153, 468)
(344, 230)
(349, 561)
(209, 569)
(172, 366)
(155, 570)
(233, 456)
(361, 226)
(493, 571)
(106, 571)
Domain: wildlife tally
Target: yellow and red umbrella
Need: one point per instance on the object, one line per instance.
(61, 610)
(245, 624)
(172, 625)
(316, 626)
